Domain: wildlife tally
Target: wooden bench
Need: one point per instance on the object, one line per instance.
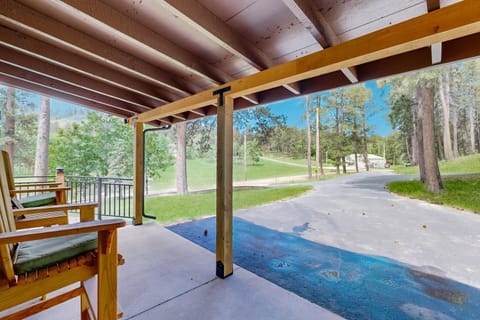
(44, 193)
(34, 217)
(37, 262)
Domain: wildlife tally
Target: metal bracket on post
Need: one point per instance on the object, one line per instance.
(220, 93)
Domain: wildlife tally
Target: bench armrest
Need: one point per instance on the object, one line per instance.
(59, 207)
(87, 210)
(36, 184)
(63, 230)
(15, 191)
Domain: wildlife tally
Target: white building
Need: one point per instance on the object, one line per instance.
(374, 161)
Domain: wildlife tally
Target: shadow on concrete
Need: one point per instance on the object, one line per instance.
(352, 285)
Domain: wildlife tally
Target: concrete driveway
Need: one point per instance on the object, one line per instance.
(358, 214)
(354, 248)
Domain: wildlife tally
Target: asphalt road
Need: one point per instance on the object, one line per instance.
(356, 213)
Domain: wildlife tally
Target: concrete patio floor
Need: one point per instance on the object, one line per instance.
(168, 277)
(434, 248)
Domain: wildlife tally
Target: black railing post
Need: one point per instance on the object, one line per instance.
(99, 197)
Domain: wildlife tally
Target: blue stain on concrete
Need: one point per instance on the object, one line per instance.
(299, 229)
(352, 285)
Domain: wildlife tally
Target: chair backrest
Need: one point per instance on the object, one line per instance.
(8, 170)
(7, 224)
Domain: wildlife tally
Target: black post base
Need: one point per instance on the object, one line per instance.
(220, 271)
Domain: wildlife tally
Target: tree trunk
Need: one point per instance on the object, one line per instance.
(344, 165)
(430, 174)
(444, 99)
(414, 139)
(409, 156)
(309, 139)
(478, 136)
(43, 136)
(419, 143)
(471, 113)
(365, 150)
(342, 132)
(440, 148)
(245, 155)
(10, 123)
(455, 133)
(355, 138)
(318, 153)
(182, 187)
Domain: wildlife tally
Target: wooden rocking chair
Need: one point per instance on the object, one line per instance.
(45, 193)
(37, 262)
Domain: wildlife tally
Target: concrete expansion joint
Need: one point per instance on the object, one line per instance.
(172, 298)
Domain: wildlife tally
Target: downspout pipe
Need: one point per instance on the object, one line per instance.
(143, 168)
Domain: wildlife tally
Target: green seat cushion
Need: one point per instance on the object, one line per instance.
(38, 200)
(37, 254)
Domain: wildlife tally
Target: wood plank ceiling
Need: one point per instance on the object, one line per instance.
(126, 57)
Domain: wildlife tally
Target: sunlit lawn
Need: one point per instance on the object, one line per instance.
(175, 208)
(299, 161)
(459, 192)
(468, 164)
(201, 173)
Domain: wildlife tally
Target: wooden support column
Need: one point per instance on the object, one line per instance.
(224, 183)
(107, 275)
(138, 169)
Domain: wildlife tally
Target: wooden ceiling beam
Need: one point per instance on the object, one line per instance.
(28, 21)
(201, 19)
(124, 29)
(199, 113)
(66, 88)
(41, 67)
(30, 86)
(454, 21)
(436, 52)
(432, 5)
(75, 63)
(436, 48)
(196, 15)
(312, 19)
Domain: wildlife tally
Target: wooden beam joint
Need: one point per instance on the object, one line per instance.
(220, 92)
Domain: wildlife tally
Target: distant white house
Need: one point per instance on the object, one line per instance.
(374, 161)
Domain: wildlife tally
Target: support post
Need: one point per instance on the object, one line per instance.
(138, 172)
(61, 195)
(60, 177)
(224, 183)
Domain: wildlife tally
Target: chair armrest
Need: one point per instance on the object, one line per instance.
(15, 191)
(37, 184)
(63, 230)
(59, 207)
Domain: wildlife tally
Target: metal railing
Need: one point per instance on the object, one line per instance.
(113, 195)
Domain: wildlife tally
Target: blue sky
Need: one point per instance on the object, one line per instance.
(294, 110)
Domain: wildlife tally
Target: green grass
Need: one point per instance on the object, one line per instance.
(175, 208)
(459, 192)
(468, 164)
(300, 161)
(201, 173)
